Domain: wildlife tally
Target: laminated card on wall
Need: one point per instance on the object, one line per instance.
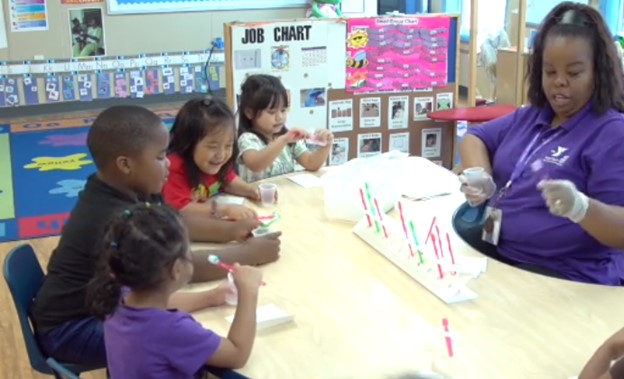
(305, 54)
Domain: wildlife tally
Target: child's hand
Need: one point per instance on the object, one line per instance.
(263, 250)
(241, 230)
(218, 294)
(294, 135)
(237, 212)
(324, 135)
(246, 278)
(616, 344)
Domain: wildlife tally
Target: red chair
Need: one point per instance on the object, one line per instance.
(472, 114)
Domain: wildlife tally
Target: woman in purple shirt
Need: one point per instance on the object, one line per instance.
(146, 252)
(572, 130)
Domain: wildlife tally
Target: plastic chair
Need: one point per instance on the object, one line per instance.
(24, 277)
(468, 224)
(60, 370)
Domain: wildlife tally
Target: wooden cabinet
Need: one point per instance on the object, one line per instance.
(506, 74)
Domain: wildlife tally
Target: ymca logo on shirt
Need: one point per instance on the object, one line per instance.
(557, 156)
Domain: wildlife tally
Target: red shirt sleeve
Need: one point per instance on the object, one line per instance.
(230, 176)
(177, 191)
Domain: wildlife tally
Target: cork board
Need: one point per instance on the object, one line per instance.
(373, 123)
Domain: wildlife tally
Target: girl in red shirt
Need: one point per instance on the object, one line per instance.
(202, 153)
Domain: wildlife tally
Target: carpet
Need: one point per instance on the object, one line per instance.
(43, 167)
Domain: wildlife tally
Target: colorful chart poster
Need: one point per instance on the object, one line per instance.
(396, 53)
(28, 15)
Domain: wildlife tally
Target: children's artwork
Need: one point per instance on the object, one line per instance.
(247, 59)
(199, 78)
(431, 143)
(340, 152)
(186, 80)
(69, 88)
(121, 84)
(169, 87)
(400, 142)
(137, 84)
(422, 107)
(280, 58)
(398, 112)
(314, 97)
(369, 144)
(152, 82)
(314, 56)
(52, 89)
(31, 90)
(85, 90)
(370, 112)
(444, 100)
(11, 97)
(86, 29)
(396, 53)
(2, 83)
(103, 85)
(341, 115)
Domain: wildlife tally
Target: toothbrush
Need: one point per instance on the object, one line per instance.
(217, 262)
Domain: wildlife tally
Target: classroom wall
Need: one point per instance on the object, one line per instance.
(133, 34)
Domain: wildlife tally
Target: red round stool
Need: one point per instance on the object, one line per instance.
(473, 114)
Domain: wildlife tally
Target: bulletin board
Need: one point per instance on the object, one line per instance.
(375, 83)
(308, 55)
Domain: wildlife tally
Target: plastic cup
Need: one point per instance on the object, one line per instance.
(231, 298)
(473, 174)
(261, 232)
(268, 193)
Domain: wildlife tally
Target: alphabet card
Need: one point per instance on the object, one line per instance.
(305, 54)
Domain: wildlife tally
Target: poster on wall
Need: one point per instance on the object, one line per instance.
(396, 53)
(341, 115)
(398, 112)
(86, 28)
(431, 143)
(340, 151)
(28, 15)
(304, 55)
(368, 144)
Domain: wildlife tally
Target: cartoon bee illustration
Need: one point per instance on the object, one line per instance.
(358, 60)
(358, 39)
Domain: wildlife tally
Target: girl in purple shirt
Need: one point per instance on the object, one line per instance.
(147, 252)
(573, 130)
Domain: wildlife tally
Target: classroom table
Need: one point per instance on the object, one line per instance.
(357, 315)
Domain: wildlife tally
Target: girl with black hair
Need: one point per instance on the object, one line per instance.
(145, 258)
(266, 147)
(572, 131)
(202, 153)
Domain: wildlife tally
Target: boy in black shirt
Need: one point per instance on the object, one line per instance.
(129, 147)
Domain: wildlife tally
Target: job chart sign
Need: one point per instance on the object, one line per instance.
(307, 55)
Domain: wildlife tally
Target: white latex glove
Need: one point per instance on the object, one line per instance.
(478, 189)
(563, 199)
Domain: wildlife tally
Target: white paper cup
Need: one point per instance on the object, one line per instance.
(473, 174)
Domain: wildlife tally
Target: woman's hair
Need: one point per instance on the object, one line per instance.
(198, 118)
(258, 93)
(569, 19)
(139, 246)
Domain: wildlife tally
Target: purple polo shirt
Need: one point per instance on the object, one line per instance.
(152, 343)
(587, 150)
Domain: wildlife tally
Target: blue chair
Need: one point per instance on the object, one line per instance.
(24, 277)
(468, 224)
(60, 370)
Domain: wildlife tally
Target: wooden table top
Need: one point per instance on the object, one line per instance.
(357, 315)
